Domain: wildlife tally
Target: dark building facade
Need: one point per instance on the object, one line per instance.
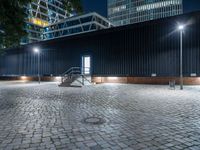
(143, 51)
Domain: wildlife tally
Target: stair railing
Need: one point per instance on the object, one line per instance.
(74, 71)
(70, 72)
(85, 78)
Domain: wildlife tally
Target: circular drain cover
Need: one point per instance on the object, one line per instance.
(94, 120)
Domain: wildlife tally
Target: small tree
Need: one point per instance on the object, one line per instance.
(71, 5)
(12, 16)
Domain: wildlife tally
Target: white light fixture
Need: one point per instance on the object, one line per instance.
(181, 27)
(193, 74)
(36, 50)
(154, 75)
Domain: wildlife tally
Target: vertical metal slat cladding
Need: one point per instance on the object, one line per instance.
(131, 50)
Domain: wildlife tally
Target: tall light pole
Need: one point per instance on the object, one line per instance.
(181, 28)
(37, 51)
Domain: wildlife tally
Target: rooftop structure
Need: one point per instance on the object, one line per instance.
(76, 25)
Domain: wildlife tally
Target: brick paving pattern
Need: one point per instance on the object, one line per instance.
(145, 117)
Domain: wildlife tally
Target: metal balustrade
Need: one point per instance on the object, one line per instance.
(72, 74)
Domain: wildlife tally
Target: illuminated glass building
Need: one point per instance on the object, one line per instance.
(47, 19)
(42, 13)
(122, 12)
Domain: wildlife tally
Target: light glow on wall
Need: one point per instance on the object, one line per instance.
(58, 79)
(23, 78)
(112, 78)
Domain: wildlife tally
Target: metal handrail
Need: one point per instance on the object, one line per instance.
(74, 71)
(83, 76)
(70, 70)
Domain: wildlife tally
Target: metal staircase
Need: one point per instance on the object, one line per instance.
(74, 78)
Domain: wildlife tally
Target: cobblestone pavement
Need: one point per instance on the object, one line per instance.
(135, 117)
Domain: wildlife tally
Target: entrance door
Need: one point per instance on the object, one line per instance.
(86, 62)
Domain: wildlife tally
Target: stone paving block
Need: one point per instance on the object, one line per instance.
(136, 117)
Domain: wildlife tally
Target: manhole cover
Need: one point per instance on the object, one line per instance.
(94, 120)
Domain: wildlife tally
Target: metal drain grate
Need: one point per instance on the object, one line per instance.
(93, 120)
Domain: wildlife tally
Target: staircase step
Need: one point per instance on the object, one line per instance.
(73, 78)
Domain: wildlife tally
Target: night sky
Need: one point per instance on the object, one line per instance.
(191, 5)
(100, 6)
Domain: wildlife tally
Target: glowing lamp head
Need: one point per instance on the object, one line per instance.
(36, 50)
(181, 27)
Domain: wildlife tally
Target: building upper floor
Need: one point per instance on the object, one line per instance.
(46, 12)
(66, 27)
(122, 12)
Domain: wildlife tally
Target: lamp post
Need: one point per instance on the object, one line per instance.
(37, 51)
(181, 28)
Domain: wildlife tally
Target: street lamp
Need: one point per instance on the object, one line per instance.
(37, 51)
(181, 29)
